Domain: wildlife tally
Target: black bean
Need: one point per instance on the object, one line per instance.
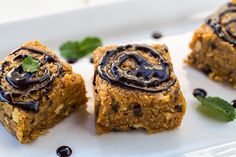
(91, 60)
(156, 35)
(234, 103)
(178, 108)
(199, 92)
(207, 70)
(115, 106)
(72, 60)
(64, 151)
(213, 46)
(137, 110)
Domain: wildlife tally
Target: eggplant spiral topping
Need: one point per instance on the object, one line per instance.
(224, 23)
(17, 85)
(142, 74)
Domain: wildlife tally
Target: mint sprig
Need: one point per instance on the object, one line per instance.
(30, 64)
(79, 49)
(218, 107)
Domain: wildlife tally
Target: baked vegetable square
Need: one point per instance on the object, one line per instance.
(135, 87)
(37, 91)
(213, 45)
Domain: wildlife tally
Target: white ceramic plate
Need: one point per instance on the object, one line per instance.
(120, 23)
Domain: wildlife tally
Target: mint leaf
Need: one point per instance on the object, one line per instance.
(89, 44)
(77, 49)
(70, 49)
(218, 106)
(30, 64)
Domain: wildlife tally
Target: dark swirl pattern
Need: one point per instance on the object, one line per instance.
(224, 23)
(142, 75)
(21, 84)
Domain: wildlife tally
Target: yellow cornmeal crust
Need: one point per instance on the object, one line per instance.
(213, 56)
(66, 96)
(158, 110)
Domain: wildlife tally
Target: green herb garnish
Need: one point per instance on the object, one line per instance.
(217, 107)
(79, 49)
(30, 64)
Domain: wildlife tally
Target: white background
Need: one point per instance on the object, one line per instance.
(12, 10)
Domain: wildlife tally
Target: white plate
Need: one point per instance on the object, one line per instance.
(120, 23)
